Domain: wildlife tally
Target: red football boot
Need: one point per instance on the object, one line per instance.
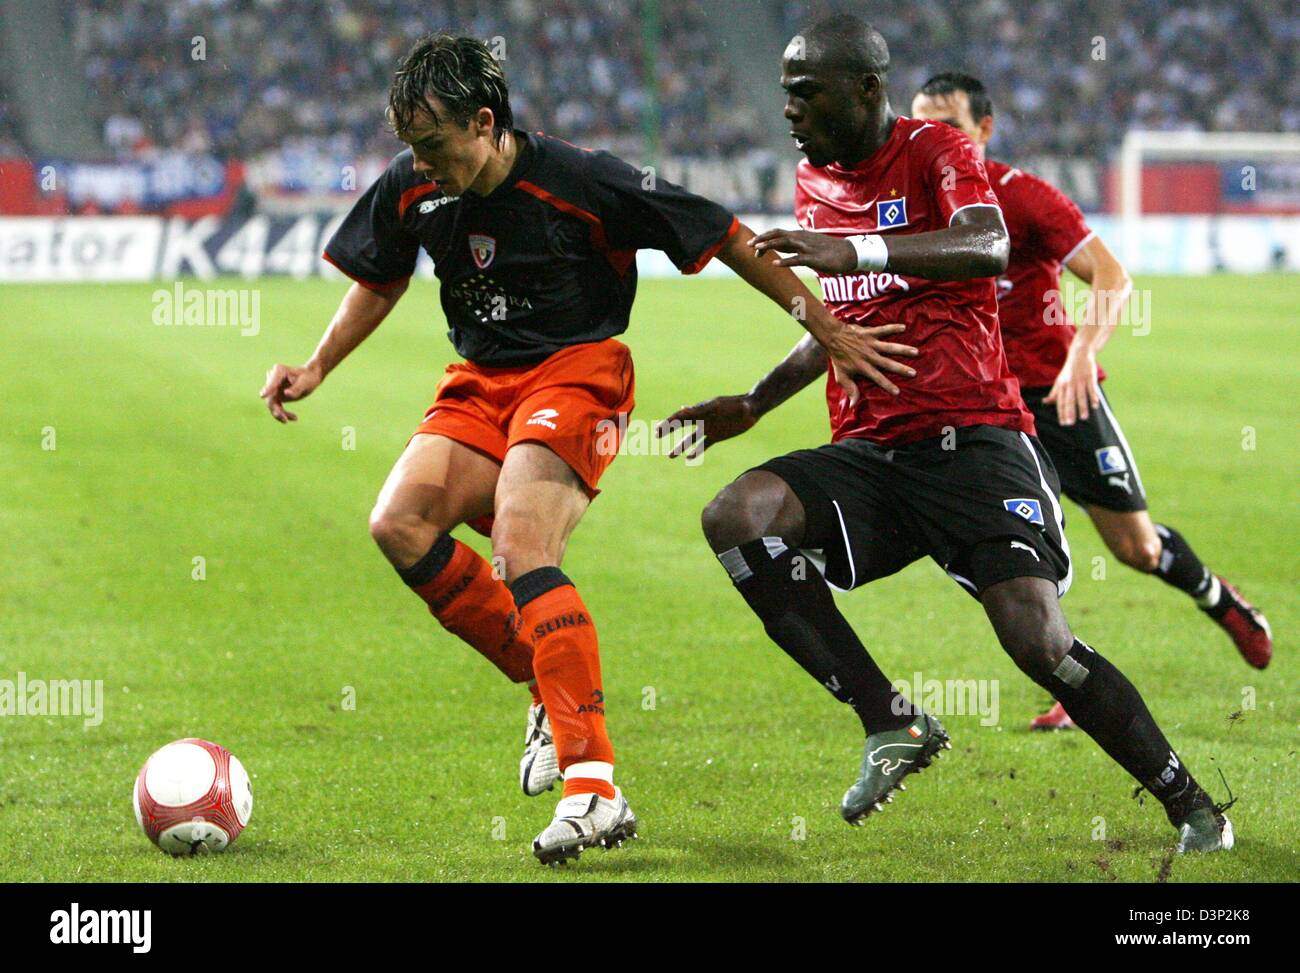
(1055, 718)
(1245, 625)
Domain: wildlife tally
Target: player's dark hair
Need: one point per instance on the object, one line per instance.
(950, 82)
(847, 43)
(461, 72)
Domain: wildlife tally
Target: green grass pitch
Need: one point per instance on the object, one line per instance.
(734, 760)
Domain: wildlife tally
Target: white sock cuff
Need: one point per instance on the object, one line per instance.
(735, 564)
(775, 547)
(594, 769)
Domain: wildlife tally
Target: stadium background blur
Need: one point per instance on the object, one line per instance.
(219, 107)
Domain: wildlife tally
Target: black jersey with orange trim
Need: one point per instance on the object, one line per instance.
(544, 261)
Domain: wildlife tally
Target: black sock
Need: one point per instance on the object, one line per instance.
(1109, 709)
(1180, 567)
(790, 597)
(430, 566)
(536, 583)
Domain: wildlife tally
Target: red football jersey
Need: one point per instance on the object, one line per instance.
(917, 181)
(1046, 230)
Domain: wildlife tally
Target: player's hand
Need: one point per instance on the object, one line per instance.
(859, 351)
(822, 253)
(723, 417)
(284, 383)
(1075, 393)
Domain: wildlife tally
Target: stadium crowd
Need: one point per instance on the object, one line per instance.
(309, 76)
(1070, 79)
(10, 142)
(313, 74)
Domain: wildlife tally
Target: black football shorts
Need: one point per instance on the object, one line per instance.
(982, 502)
(1092, 457)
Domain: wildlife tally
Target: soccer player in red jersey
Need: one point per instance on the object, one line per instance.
(1060, 378)
(903, 227)
(534, 242)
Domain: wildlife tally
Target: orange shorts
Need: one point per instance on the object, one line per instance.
(571, 403)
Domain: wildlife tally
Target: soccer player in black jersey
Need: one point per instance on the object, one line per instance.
(534, 242)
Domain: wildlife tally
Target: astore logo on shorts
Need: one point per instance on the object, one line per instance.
(543, 417)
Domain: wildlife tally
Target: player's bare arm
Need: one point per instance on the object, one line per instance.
(360, 312)
(727, 416)
(975, 245)
(1076, 392)
(855, 350)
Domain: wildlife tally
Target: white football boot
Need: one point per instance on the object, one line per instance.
(539, 768)
(1205, 829)
(584, 820)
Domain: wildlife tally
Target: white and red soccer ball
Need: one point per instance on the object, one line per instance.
(192, 797)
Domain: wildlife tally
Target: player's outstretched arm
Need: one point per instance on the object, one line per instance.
(854, 350)
(727, 416)
(1075, 391)
(359, 313)
(975, 245)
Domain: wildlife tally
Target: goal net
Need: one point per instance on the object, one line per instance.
(1222, 200)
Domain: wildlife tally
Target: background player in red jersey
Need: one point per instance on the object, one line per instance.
(907, 229)
(1060, 378)
(534, 242)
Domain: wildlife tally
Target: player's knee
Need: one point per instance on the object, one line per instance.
(723, 521)
(518, 544)
(758, 504)
(385, 527)
(1138, 552)
(514, 556)
(1037, 656)
(731, 518)
(1031, 628)
(397, 533)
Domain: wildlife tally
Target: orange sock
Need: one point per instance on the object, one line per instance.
(566, 659)
(462, 593)
(588, 785)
